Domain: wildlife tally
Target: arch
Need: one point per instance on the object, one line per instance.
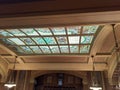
(100, 42)
(77, 74)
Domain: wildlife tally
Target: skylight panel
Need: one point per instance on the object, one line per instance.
(89, 29)
(16, 32)
(17, 49)
(74, 48)
(45, 49)
(74, 39)
(54, 49)
(73, 30)
(36, 49)
(86, 39)
(50, 40)
(30, 32)
(84, 48)
(43, 31)
(58, 31)
(4, 33)
(61, 40)
(26, 49)
(27, 41)
(7, 41)
(39, 40)
(64, 49)
(17, 41)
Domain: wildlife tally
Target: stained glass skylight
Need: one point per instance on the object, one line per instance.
(52, 40)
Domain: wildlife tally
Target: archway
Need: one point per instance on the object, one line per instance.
(58, 81)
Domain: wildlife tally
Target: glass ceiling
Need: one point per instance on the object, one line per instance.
(55, 40)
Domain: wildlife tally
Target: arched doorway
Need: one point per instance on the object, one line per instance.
(58, 81)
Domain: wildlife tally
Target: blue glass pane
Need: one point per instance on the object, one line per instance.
(27, 41)
(74, 49)
(30, 32)
(39, 40)
(36, 49)
(90, 29)
(16, 32)
(59, 31)
(50, 40)
(45, 49)
(84, 49)
(73, 30)
(74, 39)
(16, 40)
(61, 40)
(43, 31)
(64, 49)
(26, 49)
(4, 33)
(54, 49)
(86, 39)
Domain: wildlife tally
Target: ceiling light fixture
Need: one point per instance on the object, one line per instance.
(95, 85)
(11, 77)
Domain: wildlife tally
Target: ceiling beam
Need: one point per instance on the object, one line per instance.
(103, 55)
(35, 55)
(59, 66)
(61, 20)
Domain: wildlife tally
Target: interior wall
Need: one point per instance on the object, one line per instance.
(55, 81)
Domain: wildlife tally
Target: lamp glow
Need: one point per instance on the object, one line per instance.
(11, 79)
(10, 85)
(96, 88)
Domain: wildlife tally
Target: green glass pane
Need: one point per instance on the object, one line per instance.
(61, 40)
(36, 49)
(84, 49)
(50, 40)
(86, 39)
(45, 49)
(39, 40)
(73, 30)
(30, 32)
(17, 49)
(26, 49)
(59, 31)
(54, 49)
(64, 49)
(4, 33)
(74, 49)
(90, 29)
(16, 40)
(27, 41)
(74, 39)
(43, 31)
(16, 32)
